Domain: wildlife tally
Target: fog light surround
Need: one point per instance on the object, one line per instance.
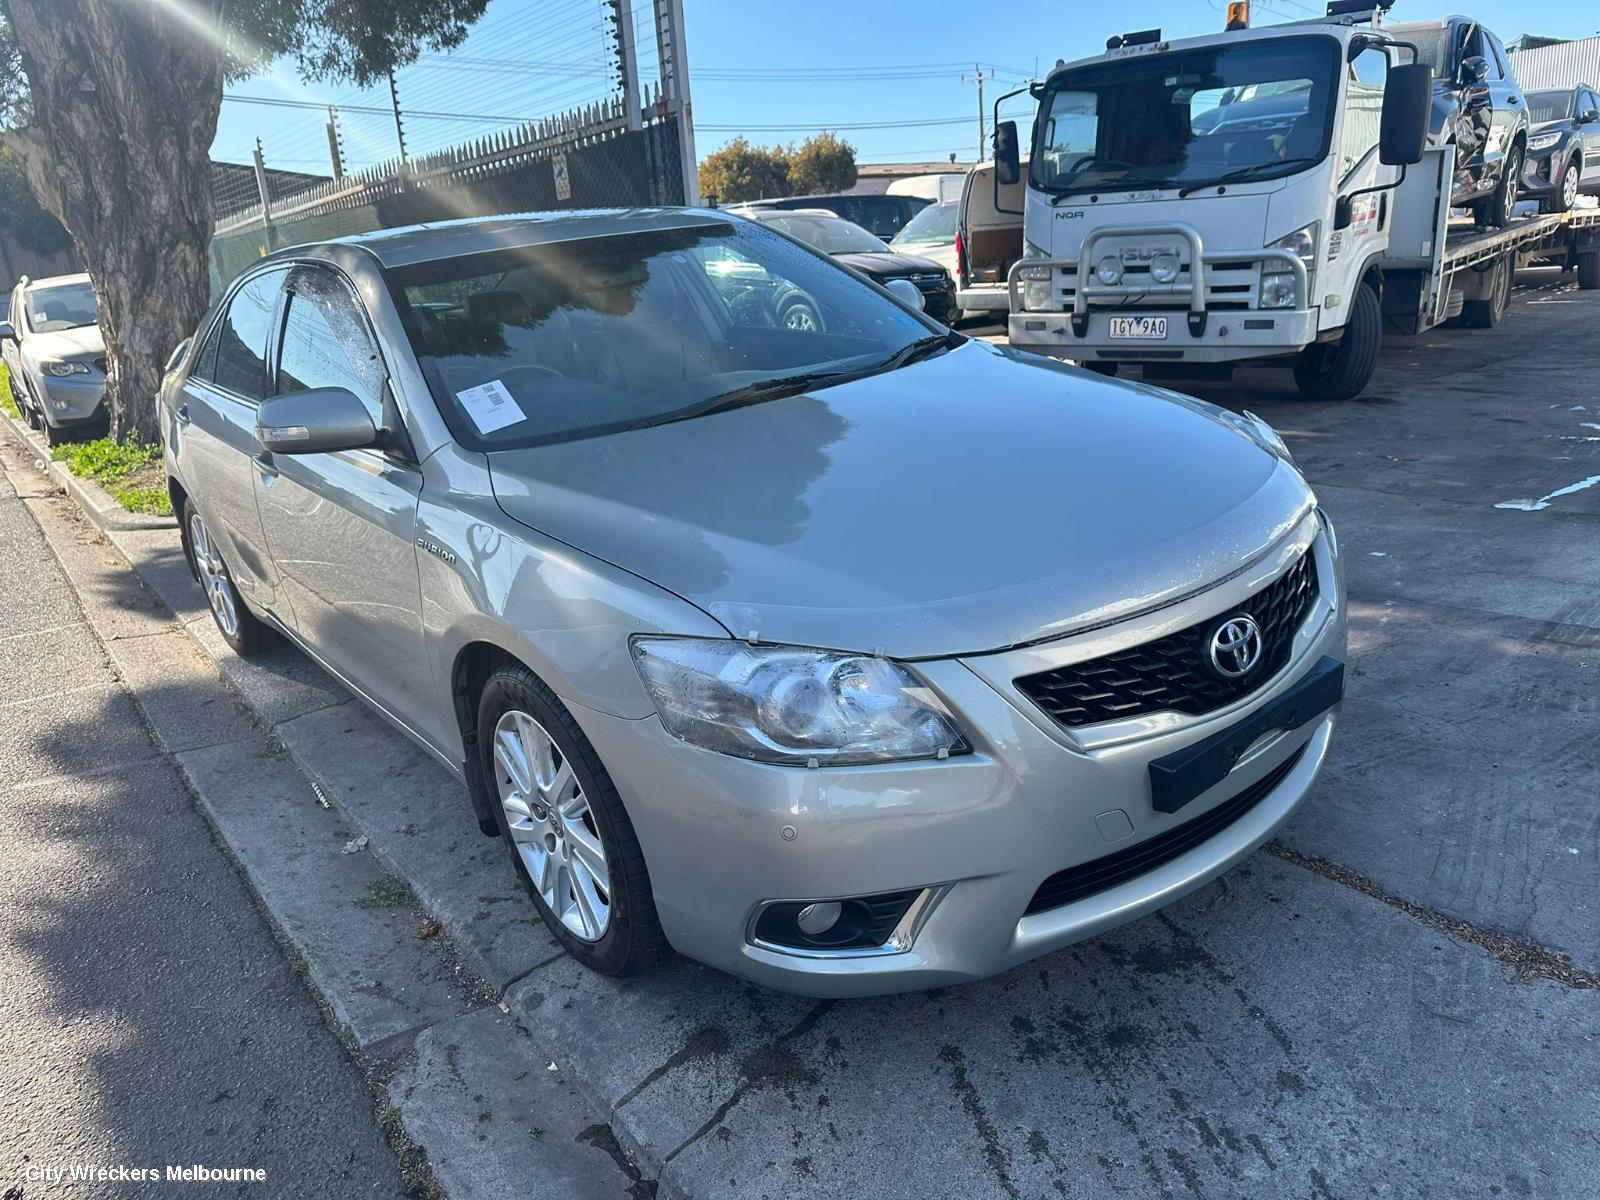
(872, 924)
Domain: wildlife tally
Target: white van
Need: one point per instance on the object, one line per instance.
(988, 240)
(946, 185)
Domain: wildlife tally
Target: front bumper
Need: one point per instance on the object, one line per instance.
(977, 833)
(984, 297)
(1539, 175)
(1226, 337)
(69, 401)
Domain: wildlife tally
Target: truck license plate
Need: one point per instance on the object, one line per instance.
(1139, 327)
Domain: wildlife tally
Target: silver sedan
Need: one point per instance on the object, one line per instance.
(850, 659)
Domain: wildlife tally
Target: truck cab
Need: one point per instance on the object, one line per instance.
(1218, 200)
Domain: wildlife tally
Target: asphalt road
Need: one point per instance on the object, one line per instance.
(147, 1016)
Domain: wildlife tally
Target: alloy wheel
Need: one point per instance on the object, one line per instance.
(213, 577)
(1569, 187)
(551, 825)
(1513, 170)
(800, 318)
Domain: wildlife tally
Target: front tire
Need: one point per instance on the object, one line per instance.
(1342, 369)
(244, 632)
(1589, 271)
(570, 837)
(1502, 205)
(1566, 189)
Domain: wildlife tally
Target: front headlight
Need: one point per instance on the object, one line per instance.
(1302, 243)
(788, 704)
(1277, 290)
(1543, 141)
(62, 369)
(1036, 287)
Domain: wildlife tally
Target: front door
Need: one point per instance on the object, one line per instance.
(213, 436)
(342, 526)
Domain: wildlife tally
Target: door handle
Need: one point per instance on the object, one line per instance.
(183, 415)
(263, 461)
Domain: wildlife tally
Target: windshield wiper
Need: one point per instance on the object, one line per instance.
(1242, 173)
(913, 351)
(755, 393)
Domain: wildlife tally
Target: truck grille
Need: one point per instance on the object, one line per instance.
(1099, 874)
(1175, 672)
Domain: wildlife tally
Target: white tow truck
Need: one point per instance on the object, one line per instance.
(1258, 197)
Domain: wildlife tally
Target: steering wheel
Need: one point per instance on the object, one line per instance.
(1089, 160)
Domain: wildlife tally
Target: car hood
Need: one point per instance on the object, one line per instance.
(1560, 125)
(885, 264)
(971, 502)
(82, 343)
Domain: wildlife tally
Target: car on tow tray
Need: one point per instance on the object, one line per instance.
(851, 659)
(1563, 147)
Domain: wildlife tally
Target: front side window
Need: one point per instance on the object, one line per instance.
(241, 365)
(569, 339)
(1251, 110)
(325, 343)
(60, 306)
(1363, 109)
(936, 223)
(830, 235)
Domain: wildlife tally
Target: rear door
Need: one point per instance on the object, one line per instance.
(213, 435)
(342, 526)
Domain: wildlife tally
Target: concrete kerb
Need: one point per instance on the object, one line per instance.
(99, 505)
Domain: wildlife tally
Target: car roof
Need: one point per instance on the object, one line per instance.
(434, 240)
(56, 280)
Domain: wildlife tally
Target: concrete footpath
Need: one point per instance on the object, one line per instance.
(1401, 998)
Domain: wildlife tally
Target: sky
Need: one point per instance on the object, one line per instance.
(891, 76)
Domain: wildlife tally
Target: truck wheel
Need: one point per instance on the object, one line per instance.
(1589, 271)
(1340, 370)
(1486, 313)
(1502, 206)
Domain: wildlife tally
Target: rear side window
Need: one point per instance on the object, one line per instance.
(325, 341)
(242, 337)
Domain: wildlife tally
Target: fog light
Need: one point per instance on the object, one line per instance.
(61, 405)
(1277, 291)
(817, 919)
(1036, 295)
(1164, 268)
(1110, 270)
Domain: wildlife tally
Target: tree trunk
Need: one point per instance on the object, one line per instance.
(125, 99)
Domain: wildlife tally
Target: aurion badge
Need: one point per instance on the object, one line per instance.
(1236, 646)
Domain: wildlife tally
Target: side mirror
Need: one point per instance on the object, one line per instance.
(1007, 155)
(1407, 107)
(7, 334)
(314, 422)
(1474, 70)
(1587, 117)
(906, 292)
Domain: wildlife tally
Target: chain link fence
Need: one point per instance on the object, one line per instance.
(586, 159)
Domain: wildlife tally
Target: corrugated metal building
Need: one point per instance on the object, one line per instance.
(1559, 64)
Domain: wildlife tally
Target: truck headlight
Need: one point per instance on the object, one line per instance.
(1302, 243)
(1543, 141)
(1036, 288)
(62, 369)
(792, 705)
(1277, 290)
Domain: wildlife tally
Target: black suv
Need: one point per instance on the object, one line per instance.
(1478, 106)
(1563, 146)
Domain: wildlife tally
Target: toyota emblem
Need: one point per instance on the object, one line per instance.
(1236, 646)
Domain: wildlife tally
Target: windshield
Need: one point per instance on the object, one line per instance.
(1550, 106)
(570, 339)
(831, 235)
(936, 223)
(1187, 117)
(65, 306)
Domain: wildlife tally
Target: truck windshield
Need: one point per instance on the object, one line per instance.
(1188, 117)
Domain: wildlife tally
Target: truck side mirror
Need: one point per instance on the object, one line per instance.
(1474, 70)
(1407, 107)
(1007, 156)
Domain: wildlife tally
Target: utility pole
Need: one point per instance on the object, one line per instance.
(674, 58)
(628, 62)
(335, 156)
(266, 199)
(399, 125)
(978, 76)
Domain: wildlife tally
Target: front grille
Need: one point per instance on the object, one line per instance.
(1175, 672)
(1097, 875)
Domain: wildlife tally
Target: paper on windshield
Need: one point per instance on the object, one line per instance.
(490, 406)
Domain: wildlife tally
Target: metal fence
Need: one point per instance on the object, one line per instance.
(587, 159)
